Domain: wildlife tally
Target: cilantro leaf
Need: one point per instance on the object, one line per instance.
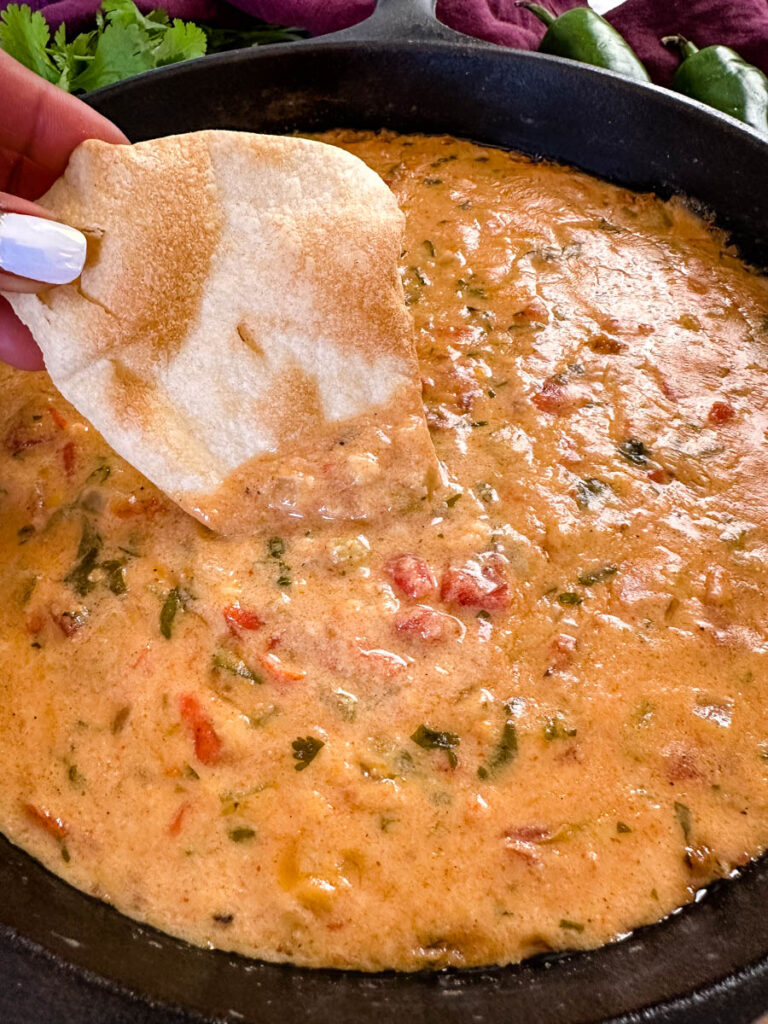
(121, 51)
(71, 58)
(125, 12)
(182, 41)
(24, 35)
(305, 750)
(123, 43)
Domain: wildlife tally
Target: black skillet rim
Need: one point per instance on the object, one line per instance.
(739, 991)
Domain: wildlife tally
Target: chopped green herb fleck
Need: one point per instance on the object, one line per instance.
(486, 492)
(171, 605)
(226, 662)
(643, 712)
(241, 835)
(118, 722)
(622, 829)
(634, 451)
(305, 750)
(65, 855)
(114, 571)
(504, 753)
(571, 926)
(568, 597)
(25, 533)
(685, 818)
(386, 823)
(190, 772)
(450, 502)
(588, 579)
(74, 776)
(276, 550)
(483, 614)
(284, 579)
(266, 716)
(276, 547)
(346, 704)
(100, 474)
(606, 225)
(590, 491)
(432, 739)
(79, 576)
(555, 729)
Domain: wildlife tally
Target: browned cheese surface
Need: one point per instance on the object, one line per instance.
(545, 728)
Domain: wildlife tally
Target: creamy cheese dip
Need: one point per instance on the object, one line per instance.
(525, 716)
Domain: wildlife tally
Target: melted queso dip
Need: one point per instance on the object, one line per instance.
(525, 715)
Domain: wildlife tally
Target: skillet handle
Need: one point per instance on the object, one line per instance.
(397, 21)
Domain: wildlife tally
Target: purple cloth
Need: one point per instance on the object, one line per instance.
(742, 25)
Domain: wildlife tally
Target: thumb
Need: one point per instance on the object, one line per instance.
(35, 249)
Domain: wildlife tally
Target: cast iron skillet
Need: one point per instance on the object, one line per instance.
(68, 959)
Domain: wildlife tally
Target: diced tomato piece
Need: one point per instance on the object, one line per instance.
(523, 842)
(562, 650)
(682, 763)
(207, 741)
(553, 397)
(127, 508)
(536, 311)
(605, 344)
(529, 833)
(174, 828)
(426, 624)
(385, 663)
(476, 586)
(235, 616)
(53, 826)
(35, 622)
(720, 413)
(57, 418)
(17, 442)
(68, 457)
(273, 664)
(411, 575)
(70, 622)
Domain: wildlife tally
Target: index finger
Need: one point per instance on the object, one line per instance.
(40, 128)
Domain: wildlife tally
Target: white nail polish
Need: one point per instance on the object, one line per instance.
(40, 249)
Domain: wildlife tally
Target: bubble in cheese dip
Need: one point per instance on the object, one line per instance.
(526, 716)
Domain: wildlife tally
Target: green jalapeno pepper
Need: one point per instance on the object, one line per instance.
(719, 77)
(581, 34)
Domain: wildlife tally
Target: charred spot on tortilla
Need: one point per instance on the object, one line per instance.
(239, 332)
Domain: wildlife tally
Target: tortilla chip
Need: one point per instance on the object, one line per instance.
(239, 332)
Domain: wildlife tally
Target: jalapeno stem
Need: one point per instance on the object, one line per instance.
(685, 46)
(541, 12)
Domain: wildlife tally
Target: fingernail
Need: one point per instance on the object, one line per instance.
(40, 249)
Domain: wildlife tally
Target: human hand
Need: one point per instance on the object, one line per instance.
(40, 125)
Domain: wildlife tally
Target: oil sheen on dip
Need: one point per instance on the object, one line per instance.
(527, 715)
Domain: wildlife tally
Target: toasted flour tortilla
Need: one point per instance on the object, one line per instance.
(239, 333)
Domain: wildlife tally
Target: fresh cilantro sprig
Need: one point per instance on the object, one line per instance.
(124, 43)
